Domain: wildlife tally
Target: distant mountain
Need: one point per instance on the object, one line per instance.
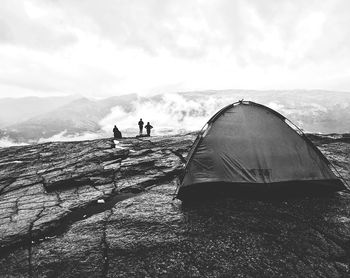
(16, 110)
(314, 111)
(78, 116)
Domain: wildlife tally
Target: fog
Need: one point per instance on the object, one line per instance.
(181, 112)
(7, 142)
(65, 137)
(169, 114)
(176, 113)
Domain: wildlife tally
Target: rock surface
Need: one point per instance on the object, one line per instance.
(105, 209)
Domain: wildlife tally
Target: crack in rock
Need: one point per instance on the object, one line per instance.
(105, 246)
(30, 234)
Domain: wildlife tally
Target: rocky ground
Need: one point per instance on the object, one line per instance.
(100, 209)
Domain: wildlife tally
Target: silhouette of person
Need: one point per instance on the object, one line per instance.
(148, 128)
(141, 126)
(117, 133)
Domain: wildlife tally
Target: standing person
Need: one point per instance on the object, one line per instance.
(148, 128)
(141, 126)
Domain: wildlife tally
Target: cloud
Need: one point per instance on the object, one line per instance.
(64, 137)
(314, 111)
(128, 46)
(7, 142)
(170, 113)
(24, 23)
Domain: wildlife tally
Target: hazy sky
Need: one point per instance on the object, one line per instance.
(110, 47)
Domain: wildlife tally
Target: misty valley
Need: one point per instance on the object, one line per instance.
(72, 118)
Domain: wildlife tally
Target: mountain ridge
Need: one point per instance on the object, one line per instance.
(313, 111)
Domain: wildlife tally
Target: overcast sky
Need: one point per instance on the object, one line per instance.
(112, 47)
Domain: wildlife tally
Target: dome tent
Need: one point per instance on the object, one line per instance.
(251, 148)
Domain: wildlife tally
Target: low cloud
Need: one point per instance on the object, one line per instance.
(7, 142)
(169, 114)
(313, 111)
(65, 137)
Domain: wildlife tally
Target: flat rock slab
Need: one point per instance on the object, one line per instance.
(53, 226)
(43, 187)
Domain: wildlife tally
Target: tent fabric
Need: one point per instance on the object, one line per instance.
(248, 143)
